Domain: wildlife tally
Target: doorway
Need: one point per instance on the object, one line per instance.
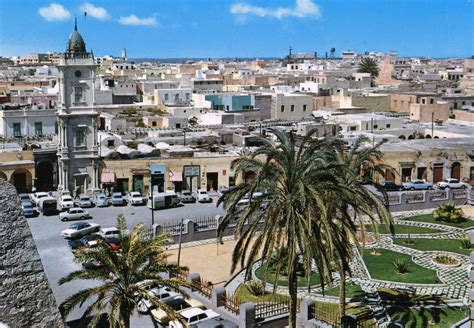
(421, 173)
(437, 173)
(212, 181)
(138, 183)
(456, 171)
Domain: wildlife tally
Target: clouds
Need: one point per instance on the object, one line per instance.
(302, 9)
(96, 12)
(134, 20)
(54, 13)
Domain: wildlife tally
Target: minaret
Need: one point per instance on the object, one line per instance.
(124, 55)
(78, 158)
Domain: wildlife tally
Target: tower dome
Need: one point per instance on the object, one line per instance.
(76, 43)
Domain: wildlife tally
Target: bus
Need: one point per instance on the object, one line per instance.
(163, 200)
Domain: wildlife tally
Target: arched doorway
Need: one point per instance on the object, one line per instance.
(21, 179)
(402, 137)
(44, 176)
(456, 170)
(428, 136)
(3, 176)
(411, 137)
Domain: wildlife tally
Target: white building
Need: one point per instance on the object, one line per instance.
(27, 122)
(291, 106)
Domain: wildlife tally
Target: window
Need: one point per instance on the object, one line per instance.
(153, 123)
(188, 95)
(292, 108)
(388, 126)
(304, 108)
(375, 126)
(423, 101)
(176, 96)
(431, 101)
(78, 94)
(282, 108)
(38, 129)
(17, 129)
(167, 96)
(80, 137)
(110, 143)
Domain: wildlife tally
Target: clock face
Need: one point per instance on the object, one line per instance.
(77, 73)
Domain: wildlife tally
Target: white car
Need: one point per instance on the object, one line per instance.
(80, 229)
(163, 294)
(194, 316)
(418, 184)
(178, 304)
(451, 184)
(84, 201)
(202, 196)
(35, 198)
(135, 198)
(65, 202)
(110, 233)
(74, 213)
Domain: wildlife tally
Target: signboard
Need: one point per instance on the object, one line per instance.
(191, 170)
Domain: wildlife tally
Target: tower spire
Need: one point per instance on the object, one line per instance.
(75, 23)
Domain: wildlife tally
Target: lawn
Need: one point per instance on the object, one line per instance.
(449, 245)
(381, 267)
(243, 295)
(364, 314)
(429, 317)
(430, 219)
(283, 280)
(402, 229)
(353, 291)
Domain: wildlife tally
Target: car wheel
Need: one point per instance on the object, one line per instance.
(430, 188)
(63, 219)
(463, 186)
(412, 188)
(83, 217)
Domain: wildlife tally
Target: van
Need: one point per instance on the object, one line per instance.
(163, 200)
(48, 205)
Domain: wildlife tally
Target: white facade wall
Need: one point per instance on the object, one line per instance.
(27, 120)
(291, 106)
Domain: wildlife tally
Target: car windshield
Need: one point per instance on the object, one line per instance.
(26, 206)
(186, 193)
(117, 196)
(74, 226)
(203, 192)
(41, 195)
(67, 199)
(85, 198)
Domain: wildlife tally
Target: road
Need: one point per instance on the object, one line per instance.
(58, 260)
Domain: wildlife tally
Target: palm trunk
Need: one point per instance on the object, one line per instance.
(293, 289)
(342, 292)
(125, 313)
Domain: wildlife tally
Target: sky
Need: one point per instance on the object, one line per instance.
(239, 28)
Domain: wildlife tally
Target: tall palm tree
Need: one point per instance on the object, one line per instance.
(357, 162)
(290, 218)
(125, 277)
(369, 65)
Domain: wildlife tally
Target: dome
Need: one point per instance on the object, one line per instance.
(76, 43)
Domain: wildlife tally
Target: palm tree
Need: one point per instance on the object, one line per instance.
(290, 217)
(356, 163)
(369, 65)
(125, 277)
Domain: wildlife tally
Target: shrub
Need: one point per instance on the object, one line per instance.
(448, 213)
(255, 288)
(444, 259)
(401, 266)
(465, 243)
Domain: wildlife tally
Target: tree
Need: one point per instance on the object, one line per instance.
(193, 121)
(125, 277)
(288, 216)
(369, 65)
(356, 164)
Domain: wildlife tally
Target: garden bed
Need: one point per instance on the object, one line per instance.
(428, 218)
(447, 245)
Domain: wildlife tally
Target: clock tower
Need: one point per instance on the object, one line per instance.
(77, 119)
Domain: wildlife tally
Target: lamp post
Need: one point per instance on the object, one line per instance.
(180, 240)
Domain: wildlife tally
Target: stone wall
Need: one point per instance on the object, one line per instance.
(26, 299)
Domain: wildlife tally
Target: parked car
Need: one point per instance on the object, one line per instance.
(93, 264)
(135, 198)
(163, 294)
(391, 186)
(84, 201)
(417, 184)
(75, 213)
(101, 200)
(202, 196)
(117, 199)
(27, 208)
(35, 198)
(178, 304)
(451, 184)
(24, 198)
(186, 196)
(109, 233)
(194, 316)
(65, 202)
(163, 200)
(80, 229)
(86, 241)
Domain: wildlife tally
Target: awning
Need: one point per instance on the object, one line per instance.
(107, 177)
(176, 176)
